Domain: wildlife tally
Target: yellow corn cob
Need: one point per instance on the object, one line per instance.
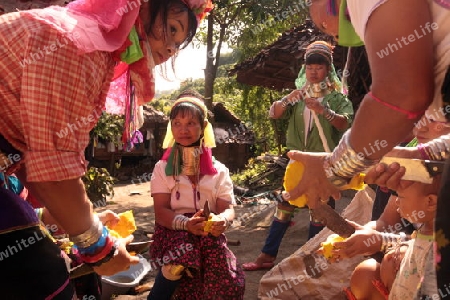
(292, 177)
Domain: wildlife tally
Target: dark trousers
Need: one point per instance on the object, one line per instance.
(163, 288)
(278, 229)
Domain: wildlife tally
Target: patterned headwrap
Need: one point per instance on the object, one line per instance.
(208, 133)
(200, 8)
(322, 48)
(325, 50)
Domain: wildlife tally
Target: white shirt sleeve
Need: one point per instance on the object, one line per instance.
(159, 183)
(224, 185)
(360, 12)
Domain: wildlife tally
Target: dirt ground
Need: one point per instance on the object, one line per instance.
(250, 228)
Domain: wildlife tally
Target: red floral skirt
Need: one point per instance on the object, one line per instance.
(213, 267)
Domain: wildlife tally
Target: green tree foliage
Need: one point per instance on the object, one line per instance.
(251, 105)
(188, 84)
(259, 20)
(163, 104)
(99, 184)
(109, 127)
(266, 24)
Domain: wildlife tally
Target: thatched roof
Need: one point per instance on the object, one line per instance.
(277, 65)
(228, 128)
(223, 115)
(153, 116)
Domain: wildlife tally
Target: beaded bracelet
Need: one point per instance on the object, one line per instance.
(114, 251)
(101, 242)
(111, 249)
(227, 222)
(329, 114)
(100, 254)
(285, 101)
(385, 242)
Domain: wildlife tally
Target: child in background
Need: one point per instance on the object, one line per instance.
(417, 201)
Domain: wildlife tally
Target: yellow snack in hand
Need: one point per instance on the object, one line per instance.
(292, 177)
(115, 234)
(328, 245)
(211, 219)
(356, 183)
(125, 226)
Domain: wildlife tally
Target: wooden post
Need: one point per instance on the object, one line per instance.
(111, 164)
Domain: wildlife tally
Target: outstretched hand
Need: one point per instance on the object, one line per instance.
(108, 218)
(365, 241)
(314, 183)
(387, 176)
(120, 262)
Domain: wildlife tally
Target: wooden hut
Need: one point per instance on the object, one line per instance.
(234, 139)
(154, 130)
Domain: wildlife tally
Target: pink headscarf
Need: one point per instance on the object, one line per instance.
(92, 25)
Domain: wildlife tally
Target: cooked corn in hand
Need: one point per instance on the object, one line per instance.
(125, 227)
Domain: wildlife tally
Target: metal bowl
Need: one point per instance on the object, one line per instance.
(139, 247)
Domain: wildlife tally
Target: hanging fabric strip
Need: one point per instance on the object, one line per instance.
(126, 125)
